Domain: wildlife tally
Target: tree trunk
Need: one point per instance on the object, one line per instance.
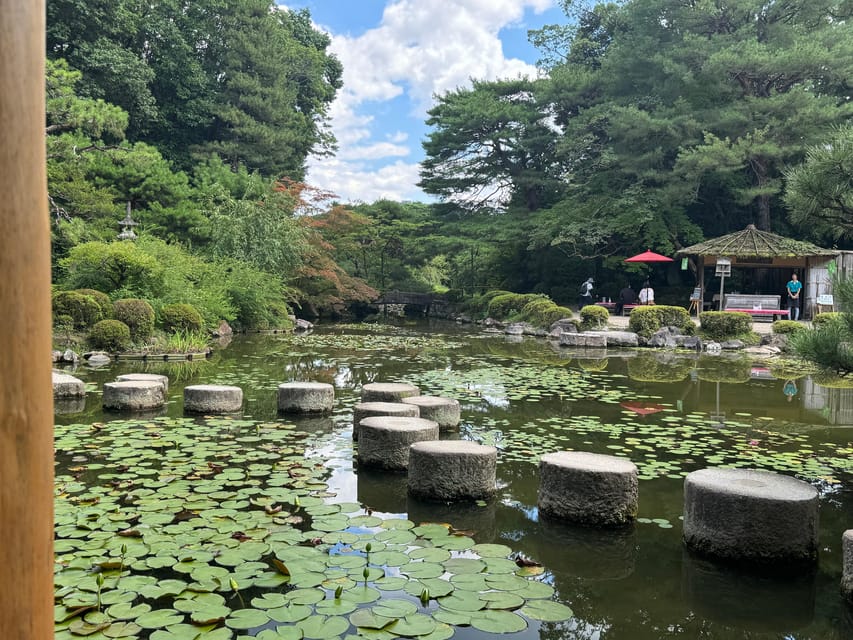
(26, 396)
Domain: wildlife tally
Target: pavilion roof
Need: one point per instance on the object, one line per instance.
(752, 242)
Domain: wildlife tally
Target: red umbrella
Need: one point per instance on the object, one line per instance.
(642, 408)
(648, 256)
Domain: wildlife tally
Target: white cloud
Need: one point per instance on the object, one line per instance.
(420, 48)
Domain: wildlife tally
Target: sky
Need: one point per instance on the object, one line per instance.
(398, 54)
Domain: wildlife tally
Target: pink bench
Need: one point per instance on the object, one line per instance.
(763, 312)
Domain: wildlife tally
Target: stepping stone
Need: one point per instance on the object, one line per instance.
(449, 470)
(369, 409)
(847, 571)
(212, 398)
(306, 397)
(444, 411)
(388, 391)
(749, 515)
(133, 396)
(384, 441)
(66, 386)
(145, 377)
(588, 488)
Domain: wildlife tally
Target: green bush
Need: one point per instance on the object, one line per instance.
(507, 305)
(138, 315)
(102, 299)
(824, 318)
(827, 344)
(646, 320)
(543, 312)
(180, 317)
(594, 317)
(110, 335)
(84, 310)
(721, 325)
(787, 326)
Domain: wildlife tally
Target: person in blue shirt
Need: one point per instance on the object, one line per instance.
(794, 287)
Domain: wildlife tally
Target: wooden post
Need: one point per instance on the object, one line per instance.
(26, 392)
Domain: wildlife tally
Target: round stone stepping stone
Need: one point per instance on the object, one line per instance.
(388, 391)
(750, 515)
(133, 396)
(444, 411)
(306, 397)
(144, 377)
(384, 441)
(452, 470)
(369, 409)
(847, 571)
(67, 386)
(212, 398)
(588, 488)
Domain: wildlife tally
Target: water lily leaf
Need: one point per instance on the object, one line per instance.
(126, 611)
(464, 565)
(397, 523)
(442, 631)
(335, 607)
(280, 633)
(430, 554)
(209, 615)
(305, 596)
(535, 590)
(389, 558)
(322, 627)
(247, 619)
(436, 587)
(122, 630)
(366, 619)
(159, 619)
(413, 625)
(423, 570)
(491, 550)
(547, 611)
(455, 618)
(463, 601)
(391, 583)
(470, 582)
(83, 628)
(361, 595)
(395, 608)
(502, 600)
(290, 613)
(498, 622)
(529, 572)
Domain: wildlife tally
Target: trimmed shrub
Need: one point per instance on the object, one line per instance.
(506, 305)
(594, 317)
(84, 310)
(180, 317)
(646, 320)
(721, 325)
(543, 312)
(787, 326)
(110, 335)
(138, 315)
(824, 318)
(102, 299)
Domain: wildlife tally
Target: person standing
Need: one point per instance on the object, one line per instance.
(794, 287)
(585, 295)
(647, 294)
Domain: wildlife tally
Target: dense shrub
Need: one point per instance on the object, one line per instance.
(721, 325)
(84, 310)
(646, 320)
(102, 299)
(787, 326)
(827, 344)
(110, 335)
(180, 317)
(594, 317)
(138, 315)
(543, 312)
(506, 305)
(829, 316)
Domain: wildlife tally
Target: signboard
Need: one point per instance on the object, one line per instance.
(724, 267)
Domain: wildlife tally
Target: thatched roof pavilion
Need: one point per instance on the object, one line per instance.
(779, 256)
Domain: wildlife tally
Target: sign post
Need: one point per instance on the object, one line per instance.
(724, 268)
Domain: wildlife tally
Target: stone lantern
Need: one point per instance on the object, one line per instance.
(127, 226)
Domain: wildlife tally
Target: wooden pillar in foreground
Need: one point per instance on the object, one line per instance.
(26, 392)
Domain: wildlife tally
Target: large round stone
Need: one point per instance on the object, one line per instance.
(306, 397)
(452, 470)
(384, 441)
(748, 515)
(133, 396)
(145, 377)
(369, 409)
(444, 411)
(847, 571)
(388, 391)
(212, 398)
(588, 488)
(66, 386)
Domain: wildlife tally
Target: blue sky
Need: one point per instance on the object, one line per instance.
(397, 54)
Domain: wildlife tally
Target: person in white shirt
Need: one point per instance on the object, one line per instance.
(647, 294)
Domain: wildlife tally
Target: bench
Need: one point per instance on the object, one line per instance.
(756, 305)
(629, 307)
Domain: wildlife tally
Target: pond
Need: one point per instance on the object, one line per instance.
(261, 526)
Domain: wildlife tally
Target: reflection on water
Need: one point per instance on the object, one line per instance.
(669, 412)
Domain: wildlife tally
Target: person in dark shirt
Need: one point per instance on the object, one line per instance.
(626, 296)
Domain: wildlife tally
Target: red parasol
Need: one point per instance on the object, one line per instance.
(642, 408)
(648, 256)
